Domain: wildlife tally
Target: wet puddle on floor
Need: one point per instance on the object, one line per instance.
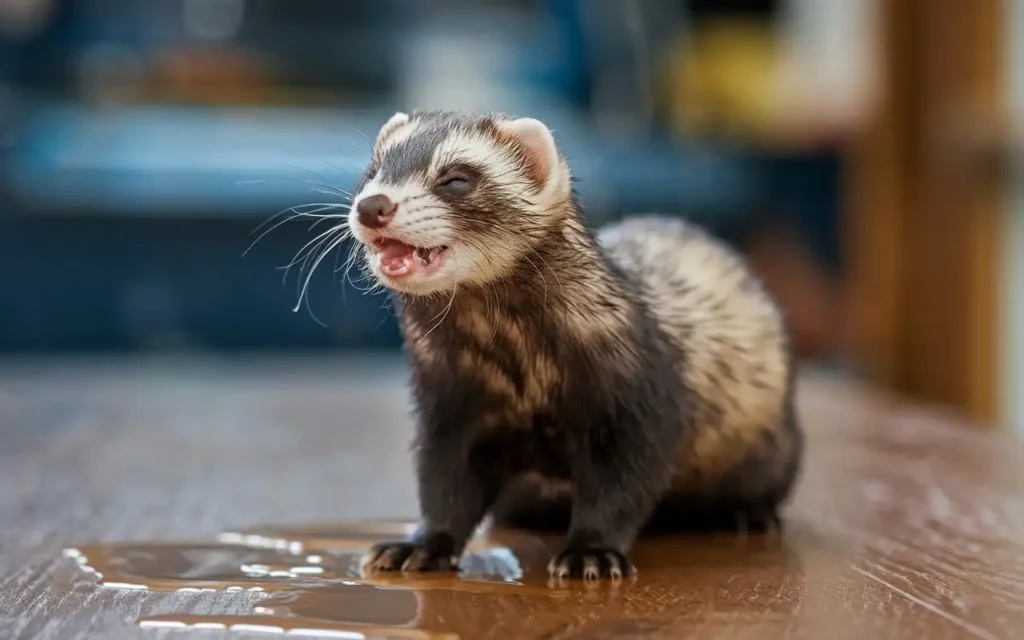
(311, 586)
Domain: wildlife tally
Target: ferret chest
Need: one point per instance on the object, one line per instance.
(488, 347)
(537, 443)
(504, 355)
(503, 372)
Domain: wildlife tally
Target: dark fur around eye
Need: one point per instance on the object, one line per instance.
(456, 182)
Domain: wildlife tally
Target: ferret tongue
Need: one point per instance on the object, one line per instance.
(397, 259)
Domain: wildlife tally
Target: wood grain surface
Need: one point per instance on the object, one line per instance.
(905, 525)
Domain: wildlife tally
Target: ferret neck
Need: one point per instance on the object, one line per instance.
(569, 252)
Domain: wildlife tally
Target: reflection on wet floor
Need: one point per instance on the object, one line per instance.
(314, 588)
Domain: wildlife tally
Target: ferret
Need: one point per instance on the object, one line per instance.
(642, 370)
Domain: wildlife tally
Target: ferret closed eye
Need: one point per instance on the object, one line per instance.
(455, 183)
(642, 373)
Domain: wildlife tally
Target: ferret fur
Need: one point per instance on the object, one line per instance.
(604, 382)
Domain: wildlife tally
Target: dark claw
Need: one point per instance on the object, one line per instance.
(406, 556)
(424, 560)
(387, 556)
(591, 563)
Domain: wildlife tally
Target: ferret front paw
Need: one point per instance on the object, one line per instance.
(591, 563)
(407, 556)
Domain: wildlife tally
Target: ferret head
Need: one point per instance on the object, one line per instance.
(451, 199)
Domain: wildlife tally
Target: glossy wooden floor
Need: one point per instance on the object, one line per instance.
(907, 524)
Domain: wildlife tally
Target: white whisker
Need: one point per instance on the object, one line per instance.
(323, 177)
(552, 271)
(315, 213)
(542, 278)
(305, 286)
(363, 136)
(455, 290)
(319, 238)
(331, 164)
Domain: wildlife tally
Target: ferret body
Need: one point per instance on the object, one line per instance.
(644, 369)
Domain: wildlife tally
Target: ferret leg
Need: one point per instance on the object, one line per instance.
(617, 481)
(454, 497)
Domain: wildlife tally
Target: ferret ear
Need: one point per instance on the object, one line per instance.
(537, 144)
(393, 124)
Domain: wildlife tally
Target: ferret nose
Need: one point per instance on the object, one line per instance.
(375, 211)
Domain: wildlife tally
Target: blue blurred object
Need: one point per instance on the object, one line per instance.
(207, 161)
(118, 283)
(123, 219)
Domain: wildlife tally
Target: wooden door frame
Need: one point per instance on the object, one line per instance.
(924, 224)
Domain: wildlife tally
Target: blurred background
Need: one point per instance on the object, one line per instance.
(863, 153)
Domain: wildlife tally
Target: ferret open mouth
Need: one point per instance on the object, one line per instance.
(399, 259)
